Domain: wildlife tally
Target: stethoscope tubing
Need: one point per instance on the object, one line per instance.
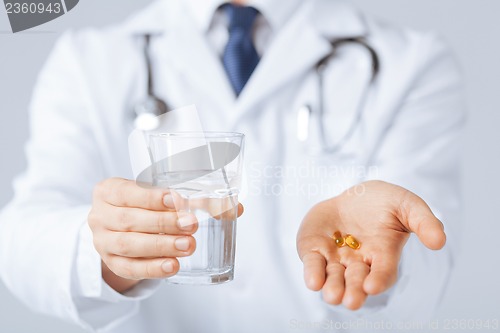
(320, 70)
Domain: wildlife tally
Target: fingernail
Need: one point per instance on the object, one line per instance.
(167, 266)
(168, 201)
(182, 244)
(186, 222)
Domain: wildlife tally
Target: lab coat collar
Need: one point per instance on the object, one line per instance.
(335, 19)
(276, 12)
(203, 11)
(330, 18)
(152, 19)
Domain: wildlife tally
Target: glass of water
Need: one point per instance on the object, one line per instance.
(203, 172)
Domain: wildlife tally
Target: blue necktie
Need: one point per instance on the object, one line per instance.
(240, 57)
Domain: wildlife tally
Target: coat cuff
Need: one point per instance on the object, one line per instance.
(99, 306)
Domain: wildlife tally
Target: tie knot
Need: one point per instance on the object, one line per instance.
(240, 17)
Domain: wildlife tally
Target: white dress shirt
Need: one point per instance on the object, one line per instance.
(213, 22)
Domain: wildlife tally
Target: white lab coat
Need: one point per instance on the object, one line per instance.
(81, 115)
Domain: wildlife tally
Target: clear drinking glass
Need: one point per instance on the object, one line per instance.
(203, 172)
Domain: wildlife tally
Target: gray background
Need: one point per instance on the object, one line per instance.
(470, 26)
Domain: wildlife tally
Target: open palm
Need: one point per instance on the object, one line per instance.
(381, 216)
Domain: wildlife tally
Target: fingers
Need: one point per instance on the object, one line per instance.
(314, 270)
(124, 219)
(349, 286)
(241, 209)
(383, 274)
(139, 269)
(139, 245)
(126, 193)
(334, 288)
(354, 295)
(314, 252)
(416, 215)
(231, 214)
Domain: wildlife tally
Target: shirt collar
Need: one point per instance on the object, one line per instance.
(276, 12)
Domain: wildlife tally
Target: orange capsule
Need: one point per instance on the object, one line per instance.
(339, 240)
(352, 242)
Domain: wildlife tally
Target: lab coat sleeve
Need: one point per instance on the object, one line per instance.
(46, 254)
(420, 151)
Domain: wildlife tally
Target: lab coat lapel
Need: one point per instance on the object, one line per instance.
(295, 50)
(301, 44)
(199, 63)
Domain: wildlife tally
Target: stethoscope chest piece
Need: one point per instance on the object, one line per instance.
(147, 113)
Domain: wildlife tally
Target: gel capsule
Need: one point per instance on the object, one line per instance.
(352, 242)
(339, 240)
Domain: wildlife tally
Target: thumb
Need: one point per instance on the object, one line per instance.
(417, 217)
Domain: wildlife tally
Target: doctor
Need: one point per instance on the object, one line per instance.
(82, 242)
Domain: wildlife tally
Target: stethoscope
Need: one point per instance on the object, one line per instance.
(147, 111)
(305, 112)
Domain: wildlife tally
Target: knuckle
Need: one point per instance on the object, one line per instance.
(103, 188)
(120, 191)
(100, 189)
(122, 245)
(124, 220)
(150, 195)
(153, 196)
(314, 244)
(126, 270)
(161, 247)
(163, 221)
(93, 219)
(160, 222)
(98, 245)
(332, 268)
(108, 261)
(123, 267)
(115, 265)
(150, 270)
